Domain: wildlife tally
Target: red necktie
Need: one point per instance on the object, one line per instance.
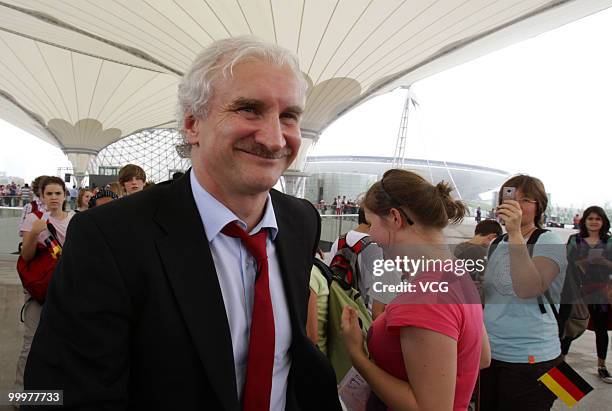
(260, 360)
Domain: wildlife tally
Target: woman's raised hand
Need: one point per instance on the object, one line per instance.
(351, 331)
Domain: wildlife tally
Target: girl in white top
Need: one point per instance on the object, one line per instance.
(34, 231)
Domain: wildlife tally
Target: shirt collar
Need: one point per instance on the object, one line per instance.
(215, 215)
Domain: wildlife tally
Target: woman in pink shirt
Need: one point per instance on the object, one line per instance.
(427, 347)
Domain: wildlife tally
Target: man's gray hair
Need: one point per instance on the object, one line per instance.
(217, 61)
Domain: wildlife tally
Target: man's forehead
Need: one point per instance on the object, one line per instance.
(256, 79)
(262, 102)
(264, 99)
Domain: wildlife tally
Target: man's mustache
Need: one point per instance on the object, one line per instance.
(261, 151)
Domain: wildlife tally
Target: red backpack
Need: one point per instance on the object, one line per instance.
(345, 264)
(35, 274)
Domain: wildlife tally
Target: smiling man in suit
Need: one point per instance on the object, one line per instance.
(193, 294)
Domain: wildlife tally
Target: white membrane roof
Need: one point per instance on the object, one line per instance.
(83, 74)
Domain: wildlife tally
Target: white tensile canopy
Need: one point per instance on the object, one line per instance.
(84, 74)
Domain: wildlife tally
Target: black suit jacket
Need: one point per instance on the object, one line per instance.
(134, 315)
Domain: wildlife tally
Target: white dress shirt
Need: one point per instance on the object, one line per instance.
(236, 271)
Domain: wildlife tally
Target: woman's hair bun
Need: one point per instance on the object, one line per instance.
(444, 189)
(455, 209)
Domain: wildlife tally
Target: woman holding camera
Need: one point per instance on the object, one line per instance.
(589, 256)
(425, 348)
(520, 321)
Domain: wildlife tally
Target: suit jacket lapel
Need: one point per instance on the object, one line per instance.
(293, 249)
(188, 263)
(289, 241)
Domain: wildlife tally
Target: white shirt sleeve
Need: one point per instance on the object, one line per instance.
(368, 256)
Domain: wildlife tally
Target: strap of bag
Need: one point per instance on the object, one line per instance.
(23, 309)
(357, 248)
(341, 242)
(324, 269)
(360, 245)
(533, 238)
(552, 305)
(50, 226)
(53, 232)
(494, 244)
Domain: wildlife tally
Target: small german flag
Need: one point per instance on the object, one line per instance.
(566, 384)
(54, 248)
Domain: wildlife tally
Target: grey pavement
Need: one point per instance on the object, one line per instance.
(583, 358)
(582, 355)
(11, 329)
(9, 238)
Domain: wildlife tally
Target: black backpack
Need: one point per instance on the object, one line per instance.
(575, 314)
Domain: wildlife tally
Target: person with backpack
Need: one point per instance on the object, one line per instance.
(589, 255)
(346, 280)
(525, 271)
(42, 233)
(332, 287)
(356, 252)
(476, 249)
(426, 347)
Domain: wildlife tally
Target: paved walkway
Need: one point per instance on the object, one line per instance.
(583, 359)
(9, 238)
(582, 356)
(11, 329)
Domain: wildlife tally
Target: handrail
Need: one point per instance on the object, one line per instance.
(340, 217)
(14, 201)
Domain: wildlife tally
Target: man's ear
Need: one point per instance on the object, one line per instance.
(190, 127)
